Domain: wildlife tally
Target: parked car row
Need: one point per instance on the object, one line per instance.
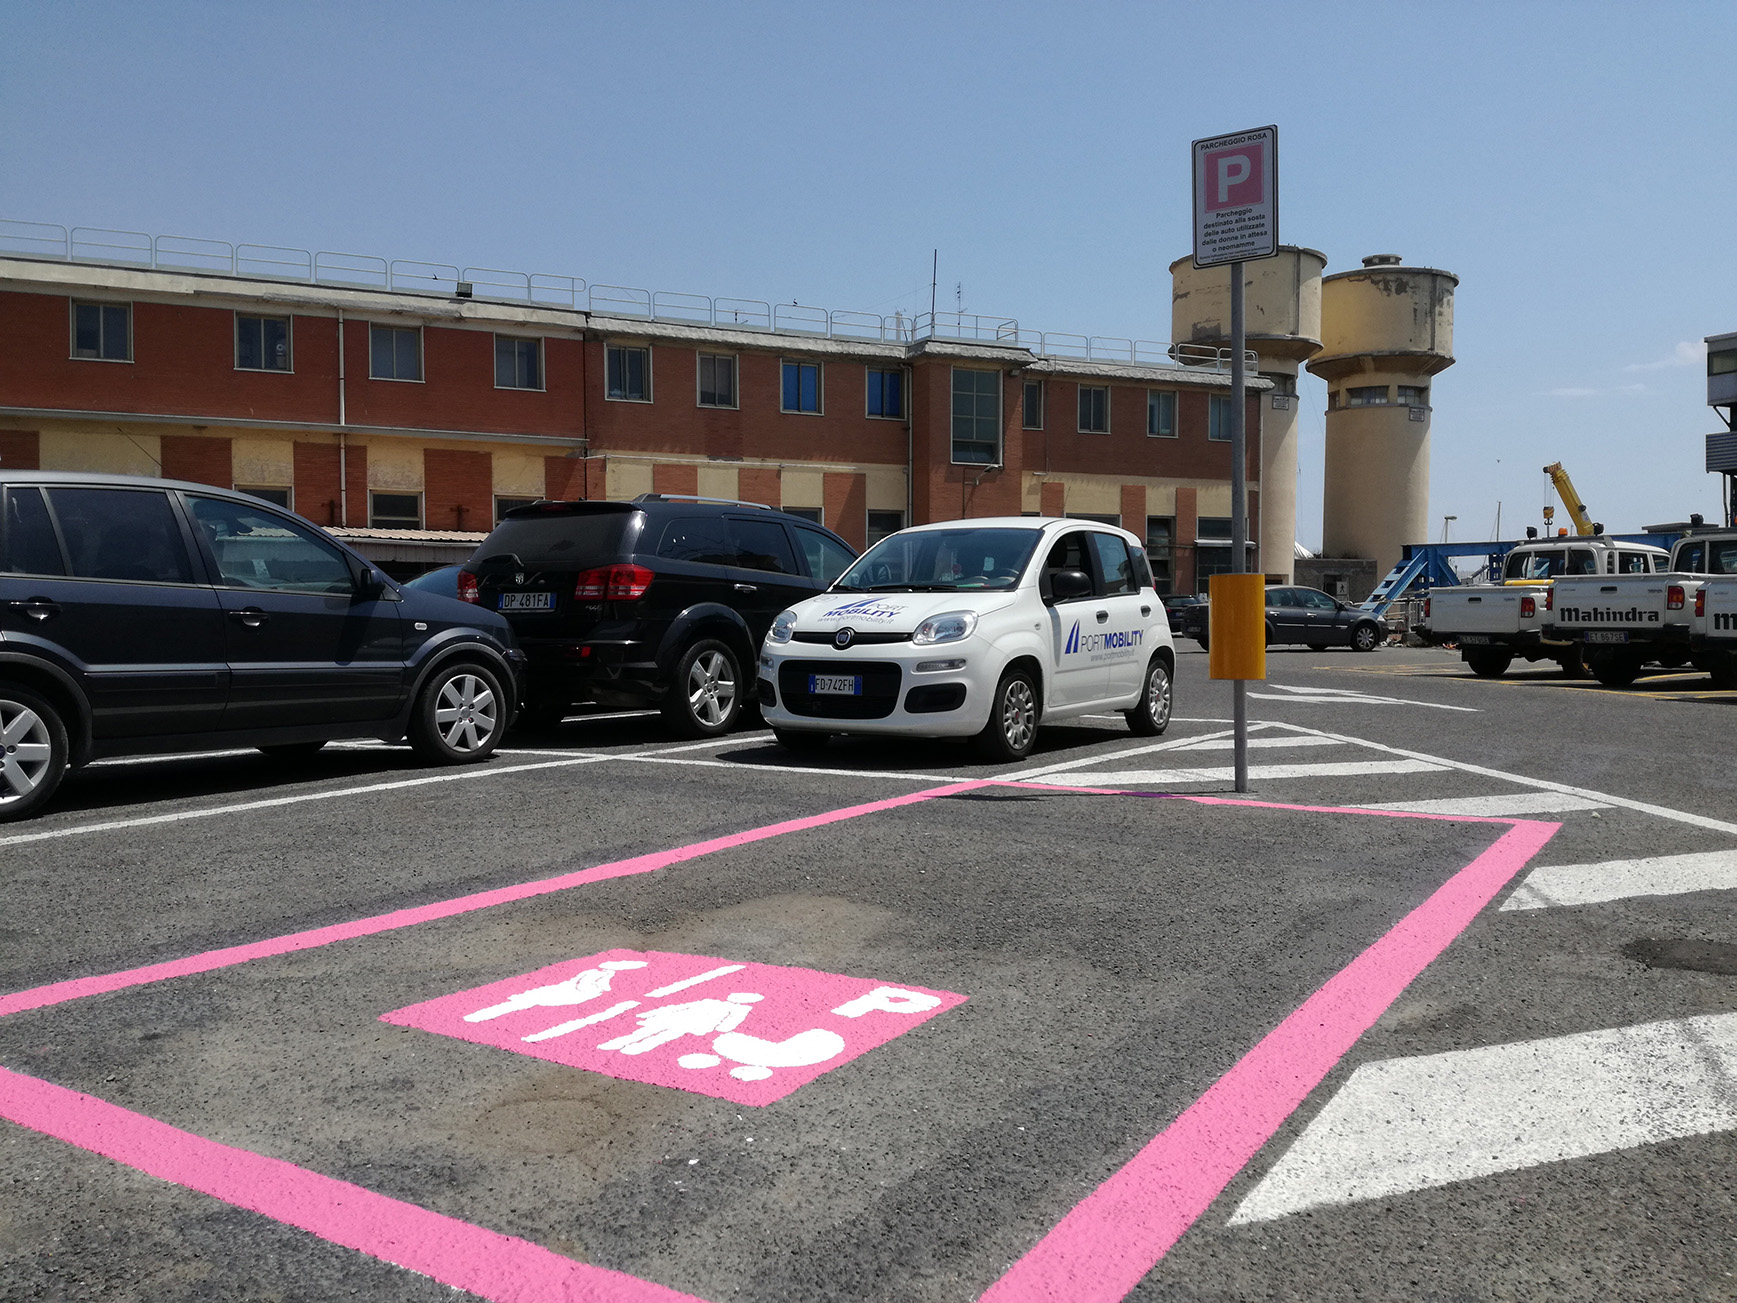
(1296, 615)
(148, 616)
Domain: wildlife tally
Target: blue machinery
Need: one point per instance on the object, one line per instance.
(1425, 565)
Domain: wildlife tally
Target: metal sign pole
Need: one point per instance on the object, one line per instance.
(1238, 501)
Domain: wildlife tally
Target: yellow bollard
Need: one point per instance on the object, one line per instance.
(1236, 639)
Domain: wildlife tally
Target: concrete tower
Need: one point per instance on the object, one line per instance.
(1386, 330)
(1282, 318)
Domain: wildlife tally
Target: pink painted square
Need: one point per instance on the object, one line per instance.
(748, 1033)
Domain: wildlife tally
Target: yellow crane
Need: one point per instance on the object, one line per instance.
(1583, 524)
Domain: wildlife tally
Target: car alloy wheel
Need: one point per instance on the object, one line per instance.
(466, 713)
(1365, 638)
(1012, 728)
(1152, 716)
(26, 752)
(711, 688)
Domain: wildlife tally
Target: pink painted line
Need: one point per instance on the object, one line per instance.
(1119, 1232)
(80, 987)
(499, 1267)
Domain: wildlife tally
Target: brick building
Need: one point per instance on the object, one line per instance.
(409, 418)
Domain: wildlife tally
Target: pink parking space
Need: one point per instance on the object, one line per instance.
(1096, 1254)
(678, 1020)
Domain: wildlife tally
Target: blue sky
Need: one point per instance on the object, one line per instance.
(1572, 163)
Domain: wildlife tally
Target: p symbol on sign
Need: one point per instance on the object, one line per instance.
(1233, 170)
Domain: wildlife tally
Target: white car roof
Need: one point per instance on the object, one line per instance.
(1018, 522)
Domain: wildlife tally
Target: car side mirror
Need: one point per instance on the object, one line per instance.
(1070, 585)
(373, 586)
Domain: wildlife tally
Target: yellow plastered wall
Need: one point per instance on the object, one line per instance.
(717, 482)
(394, 466)
(518, 474)
(267, 463)
(72, 448)
(803, 488)
(627, 479)
(886, 490)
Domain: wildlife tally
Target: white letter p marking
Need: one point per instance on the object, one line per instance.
(1232, 171)
(888, 999)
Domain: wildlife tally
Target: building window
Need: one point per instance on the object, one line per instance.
(882, 523)
(815, 514)
(1094, 409)
(886, 394)
(394, 353)
(277, 497)
(1414, 395)
(504, 505)
(395, 510)
(801, 387)
(518, 363)
(1218, 418)
(1366, 396)
(628, 373)
(1031, 405)
(1160, 538)
(717, 380)
(103, 331)
(1161, 413)
(1721, 364)
(976, 417)
(262, 343)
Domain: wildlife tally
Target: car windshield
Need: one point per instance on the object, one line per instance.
(1535, 565)
(942, 560)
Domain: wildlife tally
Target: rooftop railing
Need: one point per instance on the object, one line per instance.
(89, 244)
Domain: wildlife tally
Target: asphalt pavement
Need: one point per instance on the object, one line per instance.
(1444, 1008)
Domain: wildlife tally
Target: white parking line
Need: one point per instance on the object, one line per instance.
(242, 807)
(1493, 807)
(1346, 697)
(1168, 778)
(1229, 743)
(1658, 875)
(891, 775)
(1102, 757)
(1413, 1124)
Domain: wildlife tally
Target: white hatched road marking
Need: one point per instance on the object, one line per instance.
(1414, 1124)
(1347, 697)
(1658, 875)
(1229, 743)
(1226, 773)
(1495, 807)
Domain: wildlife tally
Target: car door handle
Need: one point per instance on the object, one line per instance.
(251, 616)
(746, 588)
(1103, 616)
(37, 608)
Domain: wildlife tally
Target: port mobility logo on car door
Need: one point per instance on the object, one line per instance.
(1103, 646)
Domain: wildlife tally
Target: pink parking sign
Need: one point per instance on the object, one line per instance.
(748, 1033)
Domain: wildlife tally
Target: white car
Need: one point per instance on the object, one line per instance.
(974, 628)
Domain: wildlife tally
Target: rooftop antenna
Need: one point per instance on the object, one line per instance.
(959, 297)
(934, 272)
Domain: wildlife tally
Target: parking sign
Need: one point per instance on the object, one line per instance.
(1236, 197)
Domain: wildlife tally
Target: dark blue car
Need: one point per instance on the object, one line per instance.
(147, 616)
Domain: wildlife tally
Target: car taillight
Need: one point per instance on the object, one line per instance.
(1700, 603)
(1674, 597)
(1528, 608)
(1426, 608)
(1549, 599)
(467, 587)
(613, 583)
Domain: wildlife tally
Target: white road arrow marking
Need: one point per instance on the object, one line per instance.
(1659, 875)
(1413, 1124)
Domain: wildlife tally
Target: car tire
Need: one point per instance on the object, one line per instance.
(1614, 671)
(1317, 646)
(1724, 673)
(292, 752)
(1011, 731)
(1201, 639)
(1152, 716)
(459, 715)
(792, 739)
(1366, 637)
(1573, 664)
(705, 694)
(1488, 664)
(33, 752)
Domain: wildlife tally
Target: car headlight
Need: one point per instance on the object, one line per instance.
(949, 626)
(782, 627)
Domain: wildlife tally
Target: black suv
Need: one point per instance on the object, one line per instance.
(659, 600)
(146, 616)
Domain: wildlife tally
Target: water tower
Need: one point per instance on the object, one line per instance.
(1386, 330)
(1282, 316)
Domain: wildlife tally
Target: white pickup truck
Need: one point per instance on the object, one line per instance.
(1625, 621)
(1492, 624)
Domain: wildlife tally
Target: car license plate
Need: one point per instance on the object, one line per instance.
(527, 602)
(1606, 635)
(1474, 639)
(835, 685)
